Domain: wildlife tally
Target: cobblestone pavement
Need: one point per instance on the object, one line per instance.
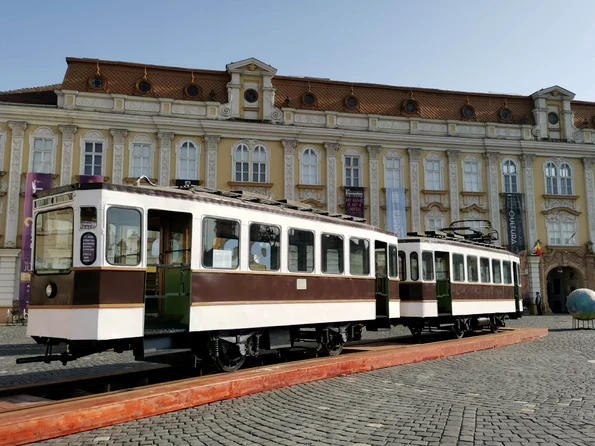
(535, 393)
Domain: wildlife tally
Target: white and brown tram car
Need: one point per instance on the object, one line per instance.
(216, 274)
(453, 283)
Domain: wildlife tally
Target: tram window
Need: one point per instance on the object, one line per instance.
(359, 256)
(394, 262)
(332, 254)
(484, 269)
(265, 244)
(472, 275)
(220, 243)
(517, 273)
(88, 217)
(458, 262)
(414, 261)
(301, 251)
(496, 271)
(402, 265)
(427, 265)
(124, 236)
(506, 272)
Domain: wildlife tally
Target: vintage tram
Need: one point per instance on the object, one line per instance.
(216, 275)
(221, 275)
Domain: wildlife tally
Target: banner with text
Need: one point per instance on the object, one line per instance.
(514, 222)
(354, 201)
(35, 182)
(90, 179)
(396, 217)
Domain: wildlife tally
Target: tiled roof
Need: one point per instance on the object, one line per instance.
(167, 82)
(51, 87)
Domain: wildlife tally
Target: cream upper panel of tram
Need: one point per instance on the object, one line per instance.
(227, 209)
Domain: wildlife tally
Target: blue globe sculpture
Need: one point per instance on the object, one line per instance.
(581, 304)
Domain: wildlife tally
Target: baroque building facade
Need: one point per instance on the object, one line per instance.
(457, 155)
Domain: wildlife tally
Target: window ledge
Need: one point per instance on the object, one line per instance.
(249, 184)
(384, 189)
(78, 177)
(563, 247)
(473, 194)
(504, 194)
(560, 197)
(345, 187)
(54, 175)
(434, 192)
(311, 186)
(131, 180)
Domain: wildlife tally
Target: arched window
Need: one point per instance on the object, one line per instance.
(250, 163)
(433, 170)
(392, 170)
(42, 151)
(558, 177)
(471, 174)
(352, 169)
(188, 155)
(510, 177)
(309, 166)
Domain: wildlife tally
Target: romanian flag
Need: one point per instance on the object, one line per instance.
(538, 250)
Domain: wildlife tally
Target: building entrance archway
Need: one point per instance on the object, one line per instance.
(561, 281)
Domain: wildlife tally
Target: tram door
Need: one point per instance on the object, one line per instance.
(517, 281)
(443, 289)
(381, 268)
(168, 279)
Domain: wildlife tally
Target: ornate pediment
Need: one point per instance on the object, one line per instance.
(251, 66)
(555, 92)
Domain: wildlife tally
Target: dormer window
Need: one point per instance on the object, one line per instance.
(96, 82)
(144, 86)
(468, 112)
(351, 102)
(251, 96)
(309, 99)
(553, 118)
(192, 91)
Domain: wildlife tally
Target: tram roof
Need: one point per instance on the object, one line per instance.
(234, 197)
(443, 238)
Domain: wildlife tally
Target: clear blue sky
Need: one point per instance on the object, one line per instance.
(505, 46)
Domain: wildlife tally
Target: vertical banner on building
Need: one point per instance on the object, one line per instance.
(396, 218)
(35, 182)
(514, 222)
(90, 179)
(354, 201)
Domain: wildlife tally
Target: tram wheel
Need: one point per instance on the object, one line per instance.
(335, 344)
(416, 330)
(230, 358)
(494, 328)
(458, 329)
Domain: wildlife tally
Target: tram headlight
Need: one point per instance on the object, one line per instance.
(50, 290)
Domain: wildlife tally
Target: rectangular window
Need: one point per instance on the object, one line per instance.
(506, 272)
(93, 158)
(435, 224)
(393, 261)
(496, 271)
(332, 254)
(141, 160)
(433, 177)
(188, 161)
(471, 173)
(427, 262)
(458, 263)
(88, 217)
(352, 172)
(562, 233)
(472, 273)
(259, 166)
(359, 257)
(241, 158)
(265, 244)
(220, 243)
(484, 269)
(42, 155)
(392, 173)
(301, 251)
(124, 236)
(402, 265)
(53, 241)
(414, 263)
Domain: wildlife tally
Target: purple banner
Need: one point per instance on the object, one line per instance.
(354, 201)
(90, 179)
(35, 182)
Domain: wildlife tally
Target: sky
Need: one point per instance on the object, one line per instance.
(505, 46)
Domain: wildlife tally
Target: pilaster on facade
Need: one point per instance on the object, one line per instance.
(211, 144)
(414, 180)
(527, 165)
(165, 139)
(493, 197)
(119, 136)
(453, 182)
(590, 196)
(332, 148)
(373, 152)
(289, 146)
(68, 132)
(14, 179)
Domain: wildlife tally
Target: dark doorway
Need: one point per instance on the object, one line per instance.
(561, 281)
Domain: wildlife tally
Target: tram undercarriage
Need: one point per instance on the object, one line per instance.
(458, 325)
